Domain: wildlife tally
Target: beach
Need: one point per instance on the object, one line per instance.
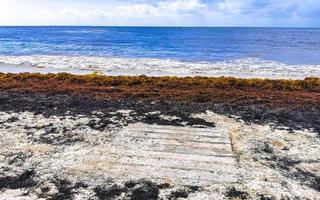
(66, 136)
(168, 113)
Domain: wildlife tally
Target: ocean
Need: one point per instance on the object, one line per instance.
(241, 52)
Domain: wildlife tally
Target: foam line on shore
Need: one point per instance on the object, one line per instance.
(241, 68)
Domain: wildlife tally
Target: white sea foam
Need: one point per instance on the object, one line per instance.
(245, 68)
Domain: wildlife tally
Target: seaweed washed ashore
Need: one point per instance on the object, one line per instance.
(66, 136)
(291, 103)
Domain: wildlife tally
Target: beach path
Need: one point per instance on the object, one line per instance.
(178, 155)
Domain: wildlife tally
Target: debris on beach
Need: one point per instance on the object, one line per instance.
(56, 143)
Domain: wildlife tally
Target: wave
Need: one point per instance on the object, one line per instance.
(243, 68)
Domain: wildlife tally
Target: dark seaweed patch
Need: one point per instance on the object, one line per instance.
(105, 193)
(156, 119)
(134, 190)
(145, 190)
(306, 116)
(164, 186)
(233, 193)
(264, 197)
(23, 180)
(267, 148)
(99, 125)
(66, 189)
(183, 192)
(12, 119)
(310, 179)
(19, 158)
(289, 169)
(58, 137)
(130, 184)
(179, 194)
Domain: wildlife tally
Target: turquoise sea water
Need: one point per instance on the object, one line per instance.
(290, 46)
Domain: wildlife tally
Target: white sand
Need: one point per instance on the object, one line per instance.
(230, 155)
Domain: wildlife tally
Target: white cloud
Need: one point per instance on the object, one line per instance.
(231, 6)
(163, 12)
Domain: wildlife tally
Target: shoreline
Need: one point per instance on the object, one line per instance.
(240, 68)
(138, 137)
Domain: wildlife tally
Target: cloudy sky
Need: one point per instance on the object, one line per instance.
(294, 13)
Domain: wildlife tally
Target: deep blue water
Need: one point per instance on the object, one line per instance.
(292, 46)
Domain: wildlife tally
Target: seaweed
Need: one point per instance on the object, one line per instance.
(135, 190)
(22, 180)
(146, 190)
(109, 192)
(183, 192)
(233, 193)
(310, 83)
(303, 117)
(289, 103)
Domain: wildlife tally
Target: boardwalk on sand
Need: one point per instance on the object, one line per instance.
(179, 155)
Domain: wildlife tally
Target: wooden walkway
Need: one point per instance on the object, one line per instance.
(180, 155)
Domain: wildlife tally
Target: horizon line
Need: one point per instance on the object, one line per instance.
(155, 26)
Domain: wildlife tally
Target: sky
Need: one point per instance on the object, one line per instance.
(260, 13)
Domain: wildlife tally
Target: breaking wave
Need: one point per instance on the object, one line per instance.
(243, 68)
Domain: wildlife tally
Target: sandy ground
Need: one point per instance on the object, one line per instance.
(68, 157)
(145, 138)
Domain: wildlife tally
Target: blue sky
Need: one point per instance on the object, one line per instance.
(279, 13)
